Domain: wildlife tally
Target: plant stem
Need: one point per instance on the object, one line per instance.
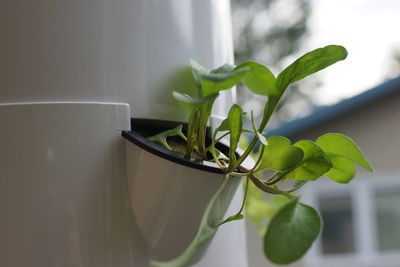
(268, 189)
(239, 213)
(276, 177)
(259, 159)
(246, 189)
(268, 110)
(217, 140)
(217, 160)
(264, 187)
(190, 133)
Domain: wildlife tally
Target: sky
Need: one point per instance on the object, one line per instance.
(370, 31)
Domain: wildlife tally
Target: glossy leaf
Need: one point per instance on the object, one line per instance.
(235, 129)
(314, 164)
(258, 78)
(308, 64)
(339, 144)
(280, 155)
(291, 232)
(343, 170)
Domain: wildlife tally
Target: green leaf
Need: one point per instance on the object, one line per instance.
(260, 137)
(280, 155)
(315, 162)
(224, 126)
(204, 115)
(339, 144)
(198, 71)
(308, 64)
(222, 78)
(235, 129)
(200, 111)
(162, 137)
(259, 209)
(212, 83)
(192, 102)
(258, 78)
(291, 232)
(343, 170)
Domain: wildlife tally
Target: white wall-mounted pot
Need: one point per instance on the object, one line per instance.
(169, 193)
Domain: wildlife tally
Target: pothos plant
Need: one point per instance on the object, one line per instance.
(295, 226)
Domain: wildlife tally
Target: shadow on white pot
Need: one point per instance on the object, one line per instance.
(175, 200)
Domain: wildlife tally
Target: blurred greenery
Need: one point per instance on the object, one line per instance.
(271, 32)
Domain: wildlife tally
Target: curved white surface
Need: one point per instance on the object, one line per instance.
(62, 165)
(169, 200)
(63, 193)
(112, 50)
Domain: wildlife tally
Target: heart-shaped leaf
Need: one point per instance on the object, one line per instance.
(343, 170)
(280, 155)
(291, 232)
(339, 144)
(315, 162)
(258, 77)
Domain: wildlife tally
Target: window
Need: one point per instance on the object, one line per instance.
(361, 222)
(337, 234)
(387, 206)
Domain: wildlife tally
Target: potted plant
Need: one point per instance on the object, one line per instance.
(193, 154)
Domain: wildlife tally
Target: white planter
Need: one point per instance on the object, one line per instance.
(169, 194)
(128, 51)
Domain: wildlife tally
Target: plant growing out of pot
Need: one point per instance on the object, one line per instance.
(295, 226)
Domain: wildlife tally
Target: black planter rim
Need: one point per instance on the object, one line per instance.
(139, 140)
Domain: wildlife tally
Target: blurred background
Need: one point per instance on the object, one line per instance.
(359, 97)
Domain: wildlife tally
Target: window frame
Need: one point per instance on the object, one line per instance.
(362, 193)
